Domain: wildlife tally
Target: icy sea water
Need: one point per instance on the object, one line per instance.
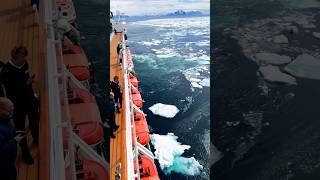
(261, 137)
(172, 61)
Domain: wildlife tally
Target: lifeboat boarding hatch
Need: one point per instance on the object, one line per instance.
(124, 148)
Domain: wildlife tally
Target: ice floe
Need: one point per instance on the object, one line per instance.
(272, 58)
(316, 34)
(164, 110)
(274, 75)
(205, 82)
(196, 85)
(168, 151)
(216, 155)
(280, 39)
(305, 66)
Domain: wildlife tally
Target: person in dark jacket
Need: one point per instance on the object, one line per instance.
(115, 88)
(8, 141)
(119, 52)
(112, 109)
(18, 85)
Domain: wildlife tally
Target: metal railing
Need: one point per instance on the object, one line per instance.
(57, 80)
(132, 150)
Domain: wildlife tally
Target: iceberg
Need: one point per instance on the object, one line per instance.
(271, 58)
(164, 110)
(304, 66)
(274, 75)
(168, 152)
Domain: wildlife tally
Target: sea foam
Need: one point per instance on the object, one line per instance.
(169, 154)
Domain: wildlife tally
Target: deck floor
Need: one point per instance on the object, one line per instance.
(19, 27)
(117, 145)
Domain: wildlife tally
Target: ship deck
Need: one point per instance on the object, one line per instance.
(117, 145)
(19, 27)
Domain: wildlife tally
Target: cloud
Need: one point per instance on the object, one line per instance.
(142, 7)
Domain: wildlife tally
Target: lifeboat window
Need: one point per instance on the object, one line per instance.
(64, 14)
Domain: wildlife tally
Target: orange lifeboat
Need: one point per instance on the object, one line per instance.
(142, 131)
(86, 121)
(133, 80)
(90, 170)
(138, 116)
(147, 168)
(78, 65)
(136, 98)
(73, 49)
(85, 117)
(80, 96)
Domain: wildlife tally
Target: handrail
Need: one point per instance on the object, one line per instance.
(44, 133)
(57, 170)
(129, 148)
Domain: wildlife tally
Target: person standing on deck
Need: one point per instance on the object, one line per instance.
(18, 85)
(119, 51)
(112, 110)
(35, 4)
(115, 88)
(8, 141)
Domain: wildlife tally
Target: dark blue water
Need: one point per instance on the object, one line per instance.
(168, 53)
(91, 21)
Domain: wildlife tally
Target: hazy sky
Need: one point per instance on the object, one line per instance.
(142, 7)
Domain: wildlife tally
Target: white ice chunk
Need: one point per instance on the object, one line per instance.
(305, 66)
(169, 152)
(316, 34)
(274, 75)
(205, 82)
(280, 39)
(196, 85)
(164, 110)
(271, 58)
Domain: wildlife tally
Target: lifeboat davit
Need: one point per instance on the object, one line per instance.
(147, 168)
(136, 98)
(85, 117)
(66, 10)
(91, 170)
(78, 65)
(133, 80)
(129, 57)
(142, 131)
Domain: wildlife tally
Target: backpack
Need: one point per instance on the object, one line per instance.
(2, 88)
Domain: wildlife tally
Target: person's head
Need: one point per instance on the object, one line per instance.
(116, 79)
(19, 54)
(6, 108)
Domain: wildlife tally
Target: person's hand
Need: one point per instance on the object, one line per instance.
(31, 79)
(18, 138)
